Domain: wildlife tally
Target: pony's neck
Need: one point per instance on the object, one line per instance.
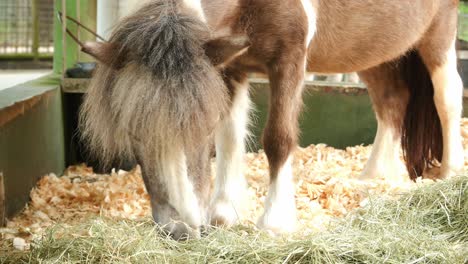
(196, 7)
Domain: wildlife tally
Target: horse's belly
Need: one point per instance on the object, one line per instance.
(352, 36)
(337, 60)
(329, 64)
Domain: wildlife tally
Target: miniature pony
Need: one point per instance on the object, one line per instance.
(173, 79)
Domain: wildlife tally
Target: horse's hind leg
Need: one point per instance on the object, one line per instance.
(280, 140)
(389, 96)
(230, 187)
(439, 54)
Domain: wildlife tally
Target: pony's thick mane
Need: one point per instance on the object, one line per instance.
(166, 93)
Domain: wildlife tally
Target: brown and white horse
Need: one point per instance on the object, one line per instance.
(173, 79)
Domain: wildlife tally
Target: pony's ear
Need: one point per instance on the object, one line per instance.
(108, 53)
(225, 49)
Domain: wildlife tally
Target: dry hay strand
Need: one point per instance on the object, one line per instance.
(326, 187)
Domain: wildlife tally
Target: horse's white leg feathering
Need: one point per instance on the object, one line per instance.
(280, 204)
(384, 160)
(230, 187)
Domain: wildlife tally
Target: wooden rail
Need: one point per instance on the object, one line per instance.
(76, 85)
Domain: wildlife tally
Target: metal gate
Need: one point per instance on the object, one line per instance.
(26, 28)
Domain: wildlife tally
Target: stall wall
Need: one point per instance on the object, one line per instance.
(31, 138)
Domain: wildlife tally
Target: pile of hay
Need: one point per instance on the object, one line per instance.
(427, 225)
(327, 188)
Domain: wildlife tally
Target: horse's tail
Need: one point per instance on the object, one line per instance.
(421, 132)
(157, 90)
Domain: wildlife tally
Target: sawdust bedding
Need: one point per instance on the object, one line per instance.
(327, 186)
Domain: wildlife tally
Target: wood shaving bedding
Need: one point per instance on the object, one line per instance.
(327, 186)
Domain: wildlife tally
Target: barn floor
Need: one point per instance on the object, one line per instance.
(84, 217)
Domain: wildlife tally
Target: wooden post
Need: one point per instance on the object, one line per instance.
(64, 36)
(2, 201)
(66, 51)
(36, 28)
(88, 14)
(78, 30)
(108, 16)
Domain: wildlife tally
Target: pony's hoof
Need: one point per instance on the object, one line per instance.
(455, 166)
(392, 172)
(279, 222)
(180, 231)
(448, 172)
(171, 224)
(223, 213)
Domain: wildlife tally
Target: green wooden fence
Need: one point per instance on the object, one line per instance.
(66, 52)
(26, 29)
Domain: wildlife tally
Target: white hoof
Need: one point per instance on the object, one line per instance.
(224, 213)
(279, 220)
(280, 204)
(455, 168)
(393, 172)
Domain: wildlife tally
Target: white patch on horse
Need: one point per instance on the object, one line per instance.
(280, 204)
(384, 160)
(311, 20)
(448, 94)
(196, 6)
(230, 187)
(180, 190)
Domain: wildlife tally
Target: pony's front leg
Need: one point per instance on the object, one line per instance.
(280, 140)
(175, 205)
(229, 197)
